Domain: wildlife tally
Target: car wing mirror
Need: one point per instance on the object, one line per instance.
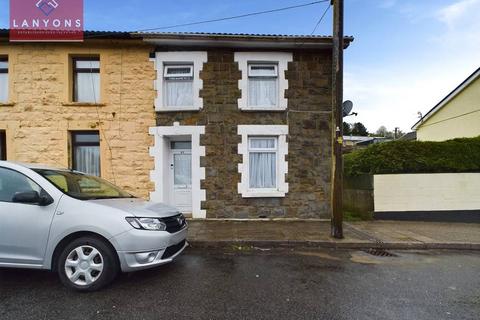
(45, 199)
(32, 197)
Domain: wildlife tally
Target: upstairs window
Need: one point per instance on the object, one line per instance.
(262, 85)
(178, 81)
(3, 79)
(86, 152)
(86, 80)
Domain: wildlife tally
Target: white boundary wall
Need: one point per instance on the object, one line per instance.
(427, 192)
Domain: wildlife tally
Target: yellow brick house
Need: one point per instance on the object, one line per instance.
(86, 106)
(456, 116)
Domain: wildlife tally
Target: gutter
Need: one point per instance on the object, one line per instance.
(239, 40)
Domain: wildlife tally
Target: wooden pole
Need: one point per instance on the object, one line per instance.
(337, 101)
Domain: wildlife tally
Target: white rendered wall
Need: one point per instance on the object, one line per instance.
(427, 192)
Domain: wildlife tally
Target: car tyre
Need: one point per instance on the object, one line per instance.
(87, 264)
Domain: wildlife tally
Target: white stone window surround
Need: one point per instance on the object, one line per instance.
(162, 58)
(246, 131)
(160, 153)
(281, 59)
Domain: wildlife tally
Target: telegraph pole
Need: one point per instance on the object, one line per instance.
(337, 115)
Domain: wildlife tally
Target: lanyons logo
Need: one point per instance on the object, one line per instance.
(46, 20)
(47, 6)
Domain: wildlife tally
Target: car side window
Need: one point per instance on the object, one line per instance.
(12, 182)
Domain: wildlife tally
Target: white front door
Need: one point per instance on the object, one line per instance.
(181, 182)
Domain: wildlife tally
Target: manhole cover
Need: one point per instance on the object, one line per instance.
(380, 253)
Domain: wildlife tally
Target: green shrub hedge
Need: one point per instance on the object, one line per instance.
(457, 155)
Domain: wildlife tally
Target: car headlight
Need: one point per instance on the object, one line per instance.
(147, 224)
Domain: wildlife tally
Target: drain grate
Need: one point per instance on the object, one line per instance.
(380, 253)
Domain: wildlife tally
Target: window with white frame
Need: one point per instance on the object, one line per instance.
(3, 79)
(178, 85)
(263, 81)
(263, 85)
(178, 81)
(264, 168)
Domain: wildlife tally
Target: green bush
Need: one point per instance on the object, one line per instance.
(457, 155)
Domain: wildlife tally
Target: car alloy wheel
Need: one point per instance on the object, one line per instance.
(84, 265)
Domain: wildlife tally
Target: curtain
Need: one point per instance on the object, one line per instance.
(87, 160)
(263, 170)
(262, 143)
(178, 93)
(262, 92)
(182, 169)
(87, 87)
(3, 87)
(263, 164)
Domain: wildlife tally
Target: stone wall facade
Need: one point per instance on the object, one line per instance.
(40, 114)
(309, 141)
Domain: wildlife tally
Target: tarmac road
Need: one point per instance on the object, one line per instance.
(246, 283)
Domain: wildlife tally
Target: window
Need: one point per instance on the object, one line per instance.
(86, 152)
(81, 186)
(264, 168)
(178, 81)
(262, 85)
(178, 85)
(3, 80)
(12, 182)
(3, 145)
(262, 162)
(181, 145)
(263, 81)
(86, 80)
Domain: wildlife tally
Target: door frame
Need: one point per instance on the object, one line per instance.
(161, 154)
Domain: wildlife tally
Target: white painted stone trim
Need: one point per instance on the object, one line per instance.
(280, 131)
(282, 58)
(158, 152)
(198, 58)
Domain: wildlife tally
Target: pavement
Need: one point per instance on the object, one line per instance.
(281, 283)
(357, 235)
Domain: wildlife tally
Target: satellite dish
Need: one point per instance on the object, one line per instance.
(347, 107)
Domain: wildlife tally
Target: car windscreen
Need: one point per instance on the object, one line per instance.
(82, 186)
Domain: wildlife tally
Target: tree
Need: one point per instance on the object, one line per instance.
(382, 132)
(385, 133)
(347, 129)
(358, 129)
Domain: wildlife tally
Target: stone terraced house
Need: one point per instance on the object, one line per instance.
(218, 125)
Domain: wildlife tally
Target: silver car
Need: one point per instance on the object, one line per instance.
(81, 226)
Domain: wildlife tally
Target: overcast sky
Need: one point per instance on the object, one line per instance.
(407, 54)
